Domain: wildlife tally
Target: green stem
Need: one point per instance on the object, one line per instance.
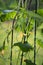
(18, 57)
(35, 35)
(25, 4)
(29, 4)
(21, 58)
(22, 3)
(11, 43)
(12, 37)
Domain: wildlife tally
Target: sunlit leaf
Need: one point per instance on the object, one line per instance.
(40, 42)
(40, 12)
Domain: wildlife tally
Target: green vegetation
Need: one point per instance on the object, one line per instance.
(17, 37)
(21, 32)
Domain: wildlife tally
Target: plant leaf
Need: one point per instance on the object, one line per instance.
(40, 42)
(25, 47)
(29, 62)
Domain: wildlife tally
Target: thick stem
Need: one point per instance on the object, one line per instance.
(25, 3)
(35, 44)
(22, 3)
(21, 58)
(19, 3)
(29, 4)
(11, 43)
(12, 37)
(35, 35)
(22, 52)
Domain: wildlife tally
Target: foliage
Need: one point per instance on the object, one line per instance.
(29, 62)
(7, 16)
(40, 42)
(1, 13)
(25, 47)
(24, 22)
(42, 31)
(23, 12)
(22, 17)
(8, 4)
(40, 12)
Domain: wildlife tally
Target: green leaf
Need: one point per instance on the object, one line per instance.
(40, 12)
(35, 16)
(1, 48)
(4, 44)
(29, 62)
(31, 14)
(40, 42)
(25, 47)
(7, 16)
(42, 31)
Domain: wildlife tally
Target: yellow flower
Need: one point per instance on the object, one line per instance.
(2, 52)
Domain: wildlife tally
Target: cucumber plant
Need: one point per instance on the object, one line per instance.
(23, 21)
